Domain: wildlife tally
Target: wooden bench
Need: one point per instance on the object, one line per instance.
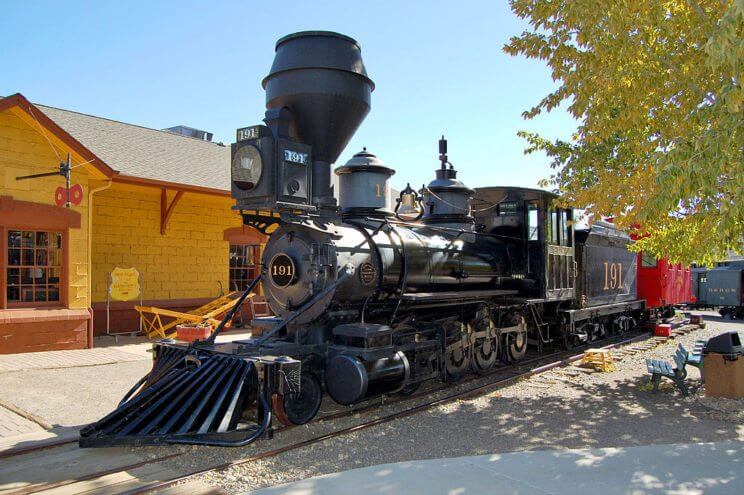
(659, 368)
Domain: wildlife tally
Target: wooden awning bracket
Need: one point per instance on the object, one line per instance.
(166, 210)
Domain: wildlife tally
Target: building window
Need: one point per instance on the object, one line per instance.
(34, 266)
(244, 265)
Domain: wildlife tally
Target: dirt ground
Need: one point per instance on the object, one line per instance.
(551, 411)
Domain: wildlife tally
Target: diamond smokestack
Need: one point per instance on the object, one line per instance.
(320, 77)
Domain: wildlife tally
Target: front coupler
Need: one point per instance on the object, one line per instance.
(202, 395)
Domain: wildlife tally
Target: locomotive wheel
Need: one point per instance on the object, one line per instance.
(458, 351)
(601, 332)
(485, 353)
(516, 347)
(300, 408)
(409, 389)
(456, 361)
(570, 342)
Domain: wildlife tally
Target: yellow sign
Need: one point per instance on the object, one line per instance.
(124, 284)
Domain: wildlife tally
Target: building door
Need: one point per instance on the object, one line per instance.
(245, 261)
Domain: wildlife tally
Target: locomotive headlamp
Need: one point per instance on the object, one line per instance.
(247, 167)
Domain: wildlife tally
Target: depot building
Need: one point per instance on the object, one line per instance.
(154, 200)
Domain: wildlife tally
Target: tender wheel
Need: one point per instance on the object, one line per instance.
(302, 407)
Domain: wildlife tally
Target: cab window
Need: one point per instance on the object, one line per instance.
(553, 224)
(566, 227)
(532, 232)
(648, 260)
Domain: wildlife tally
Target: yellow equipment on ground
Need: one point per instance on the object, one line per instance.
(154, 327)
(599, 359)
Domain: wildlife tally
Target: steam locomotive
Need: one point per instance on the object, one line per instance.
(371, 298)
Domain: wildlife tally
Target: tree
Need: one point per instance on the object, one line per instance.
(656, 88)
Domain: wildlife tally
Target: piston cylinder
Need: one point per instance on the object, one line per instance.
(350, 379)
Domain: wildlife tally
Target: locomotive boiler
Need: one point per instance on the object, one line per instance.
(370, 297)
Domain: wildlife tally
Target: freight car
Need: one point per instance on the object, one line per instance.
(721, 287)
(370, 299)
(663, 285)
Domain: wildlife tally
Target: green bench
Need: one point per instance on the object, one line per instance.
(695, 358)
(677, 372)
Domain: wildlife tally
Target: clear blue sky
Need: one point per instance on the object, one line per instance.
(438, 66)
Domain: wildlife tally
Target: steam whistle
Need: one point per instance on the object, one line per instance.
(443, 152)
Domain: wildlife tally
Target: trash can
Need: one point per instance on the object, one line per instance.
(723, 363)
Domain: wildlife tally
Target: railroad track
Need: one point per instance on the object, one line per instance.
(129, 476)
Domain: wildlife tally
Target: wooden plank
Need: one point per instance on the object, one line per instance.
(61, 467)
(115, 483)
(195, 487)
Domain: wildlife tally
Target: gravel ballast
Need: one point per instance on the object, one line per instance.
(560, 409)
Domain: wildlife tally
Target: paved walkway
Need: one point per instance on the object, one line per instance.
(97, 378)
(710, 468)
(12, 424)
(65, 359)
(107, 350)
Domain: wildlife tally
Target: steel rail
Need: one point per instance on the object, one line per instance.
(473, 392)
(469, 393)
(365, 406)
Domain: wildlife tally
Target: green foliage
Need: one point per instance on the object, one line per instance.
(657, 89)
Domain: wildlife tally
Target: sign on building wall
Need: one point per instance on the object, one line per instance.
(124, 284)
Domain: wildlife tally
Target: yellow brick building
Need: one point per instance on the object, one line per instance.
(152, 200)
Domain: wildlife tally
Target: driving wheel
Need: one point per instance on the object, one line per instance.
(458, 351)
(516, 345)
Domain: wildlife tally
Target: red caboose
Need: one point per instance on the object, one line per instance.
(663, 284)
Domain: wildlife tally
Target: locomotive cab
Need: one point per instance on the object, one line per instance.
(539, 236)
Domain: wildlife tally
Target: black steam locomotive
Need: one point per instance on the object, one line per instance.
(371, 299)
